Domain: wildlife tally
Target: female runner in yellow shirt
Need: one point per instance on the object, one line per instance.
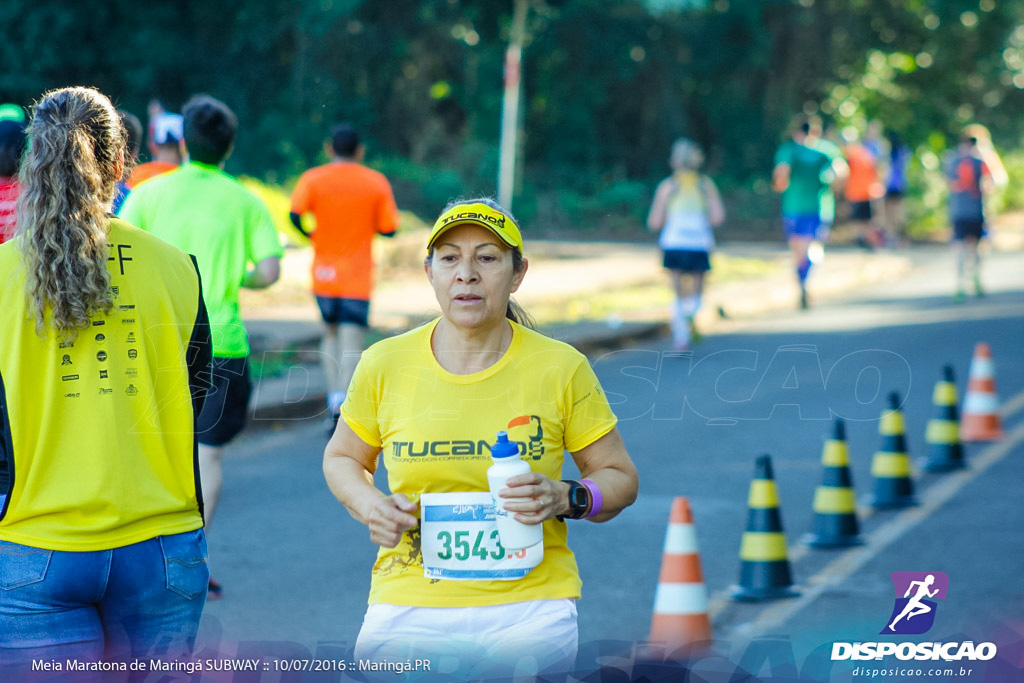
(429, 402)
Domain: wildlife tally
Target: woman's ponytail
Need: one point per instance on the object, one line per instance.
(68, 176)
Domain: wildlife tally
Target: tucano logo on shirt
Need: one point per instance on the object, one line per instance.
(531, 445)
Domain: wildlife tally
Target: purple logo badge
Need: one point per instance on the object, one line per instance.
(914, 611)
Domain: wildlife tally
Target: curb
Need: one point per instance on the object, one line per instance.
(300, 394)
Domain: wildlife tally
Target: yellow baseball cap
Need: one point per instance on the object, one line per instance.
(481, 214)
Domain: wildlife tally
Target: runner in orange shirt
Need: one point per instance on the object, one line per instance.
(351, 203)
(861, 190)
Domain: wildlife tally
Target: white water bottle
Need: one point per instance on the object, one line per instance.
(514, 535)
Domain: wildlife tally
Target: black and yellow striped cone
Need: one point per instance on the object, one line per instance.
(764, 565)
(835, 506)
(891, 464)
(945, 451)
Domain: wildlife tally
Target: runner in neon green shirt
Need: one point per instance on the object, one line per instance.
(204, 211)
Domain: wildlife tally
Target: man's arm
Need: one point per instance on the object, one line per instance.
(264, 274)
(910, 588)
(387, 213)
(656, 214)
(780, 177)
(839, 171)
(296, 220)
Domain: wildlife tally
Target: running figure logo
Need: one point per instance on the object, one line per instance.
(914, 613)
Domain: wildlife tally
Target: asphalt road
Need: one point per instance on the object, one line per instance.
(296, 567)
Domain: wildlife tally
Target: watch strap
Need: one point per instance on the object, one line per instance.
(596, 499)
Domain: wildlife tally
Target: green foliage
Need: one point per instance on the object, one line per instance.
(925, 203)
(752, 211)
(278, 203)
(424, 189)
(615, 209)
(607, 86)
(1011, 196)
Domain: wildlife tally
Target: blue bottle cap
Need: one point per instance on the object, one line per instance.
(504, 448)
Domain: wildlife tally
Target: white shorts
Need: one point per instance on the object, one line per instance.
(507, 641)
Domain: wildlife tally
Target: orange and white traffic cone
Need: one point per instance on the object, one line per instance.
(681, 618)
(979, 419)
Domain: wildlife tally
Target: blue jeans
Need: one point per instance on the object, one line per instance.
(139, 601)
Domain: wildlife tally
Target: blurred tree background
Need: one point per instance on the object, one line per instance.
(607, 86)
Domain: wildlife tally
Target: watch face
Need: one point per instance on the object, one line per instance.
(578, 498)
(579, 495)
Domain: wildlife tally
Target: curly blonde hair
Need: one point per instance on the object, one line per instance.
(74, 158)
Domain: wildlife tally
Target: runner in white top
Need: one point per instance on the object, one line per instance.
(685, 210)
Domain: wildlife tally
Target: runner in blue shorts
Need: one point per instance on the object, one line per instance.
(803, 173)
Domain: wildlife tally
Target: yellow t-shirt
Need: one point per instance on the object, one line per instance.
(435, 428)
(97, 437)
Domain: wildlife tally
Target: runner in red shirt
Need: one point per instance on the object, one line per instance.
(970, 179)
(351, 203)
(862, 189)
